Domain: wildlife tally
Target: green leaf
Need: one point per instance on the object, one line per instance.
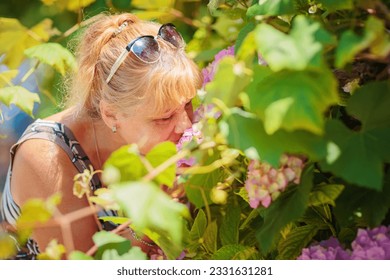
(294, 100)
(234, 252)
(199, 226)
(229, 233)
(231, 78)
(53, 54)
(325, 194)
(362, 153)
(152, 4)
(213, 5)
(374, 36)
(126, 159)
(7, 246)
(246, 131)
(333, 5)
(210, 237)
(135, 253)
(159, 154)
(77, 5)
(366, 207)
(15, 38)
(149, 207)
(19, 96)
(289, 207)
(298, 238)
(271, 8)
(78, 255)
(110, 241)
(300, 49)
(6, 77)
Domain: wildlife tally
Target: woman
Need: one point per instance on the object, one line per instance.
(134, 85)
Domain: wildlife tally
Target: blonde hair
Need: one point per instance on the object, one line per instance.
(174, 78)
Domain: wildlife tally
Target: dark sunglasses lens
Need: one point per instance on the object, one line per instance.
(146, 49)
(169, 33)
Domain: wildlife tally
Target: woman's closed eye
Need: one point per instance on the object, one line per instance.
(164, 120)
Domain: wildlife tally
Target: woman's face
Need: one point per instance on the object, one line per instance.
(147, 129)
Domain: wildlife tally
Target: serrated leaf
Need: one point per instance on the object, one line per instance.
(159, 154)
(229, 229)
(7, 246)
(6, 77)
(298, 238)
(363, 152)
(230, 79)
(246, 131)
(55, 55)
(149, 207)
(294, 100)
(271, 8)
(325, 194)
(78, 255)
(135, 253)
(289, 207)
(19, 96)
(300, 49)
(210, 237)
(15, 38)
(234, 252)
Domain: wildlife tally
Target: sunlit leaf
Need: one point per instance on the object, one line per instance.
(363, 152)
(289, 207)
(54, 55)
(16, 38)
(271, 8)
(152, 4)
(6, 77)
(246, 131)
(159, 154)
(150, 207)
(53, 251)
(374, 36)
(7, 246)
(294, 100)
(20, 97)
(135, 253)
(298, 50)
(106, 240)
(77, 255)
(230, 79)
(76, 5)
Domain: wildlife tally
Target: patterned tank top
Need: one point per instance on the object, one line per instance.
(61, 135)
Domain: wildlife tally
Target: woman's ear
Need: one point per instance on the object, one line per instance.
(109, 116)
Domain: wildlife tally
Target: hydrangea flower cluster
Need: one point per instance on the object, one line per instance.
(265, 183)
(369, 244)
(188, 135)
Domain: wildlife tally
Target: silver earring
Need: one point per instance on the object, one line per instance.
(113, 128)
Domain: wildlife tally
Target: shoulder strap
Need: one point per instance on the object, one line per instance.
(62, 136)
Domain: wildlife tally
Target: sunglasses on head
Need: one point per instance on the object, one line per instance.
(147, 49)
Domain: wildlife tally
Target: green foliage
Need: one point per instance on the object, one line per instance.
(309, 79)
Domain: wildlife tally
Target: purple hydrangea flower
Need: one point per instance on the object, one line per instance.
(209, 71)
(188, 135)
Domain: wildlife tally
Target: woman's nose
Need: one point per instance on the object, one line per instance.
(183, 122)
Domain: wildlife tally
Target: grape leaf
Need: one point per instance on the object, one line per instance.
(106, 240)
(294, 100)
(19, 96)
(149, 207)
(300, 49)
(374, 36)
(6, 77)
(271, 8)
(15, 38)
(362, 153)
(289, 207)
(325, 194)
(246, 131)
(54, 55)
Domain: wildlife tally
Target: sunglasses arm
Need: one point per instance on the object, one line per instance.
(117, 63)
